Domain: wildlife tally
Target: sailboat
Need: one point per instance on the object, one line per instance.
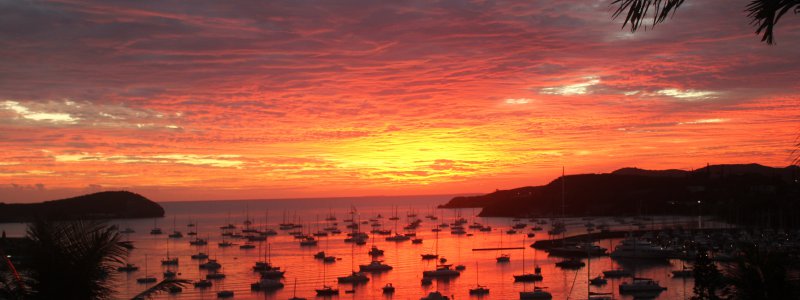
(294, 292)
(354, 277)
(375, 265)
(169, 261)
(595, 281)
(479, 289)
(229, 226)
(146, 279)
(155, 230)
(426, 256)
(127, 268)
(397, 237)
(528, 277)
(442, 270)
(615, 272)
(198, 241)
(267, 284)
(683, 272)
(190, 231)
(266, 269)
(200, 255)
(435, 296)
(224, 293)
(326, 290)
(537, 293)
(503, 258)
(394, 215)
(224, 243)
(175, 233)
(374, 251)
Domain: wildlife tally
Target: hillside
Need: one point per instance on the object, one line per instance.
(742, 192)
(103, 205)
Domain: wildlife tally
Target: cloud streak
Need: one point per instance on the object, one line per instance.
(289, 99)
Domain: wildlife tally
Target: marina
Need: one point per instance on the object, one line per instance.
(399, 269)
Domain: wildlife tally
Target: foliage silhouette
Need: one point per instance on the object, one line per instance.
(763, 14)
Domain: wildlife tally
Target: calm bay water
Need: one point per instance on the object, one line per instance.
(310, 273)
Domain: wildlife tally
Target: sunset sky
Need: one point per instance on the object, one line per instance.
(182, 100)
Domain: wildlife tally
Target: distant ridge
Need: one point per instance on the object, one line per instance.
(102, 205)
(656, 173)
(744, 192)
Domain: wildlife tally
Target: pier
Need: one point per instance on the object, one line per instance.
(547, 244)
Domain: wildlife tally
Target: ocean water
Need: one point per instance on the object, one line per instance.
(309, 273)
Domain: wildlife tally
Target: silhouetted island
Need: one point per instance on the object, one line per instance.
(102, 205)
(746, 193)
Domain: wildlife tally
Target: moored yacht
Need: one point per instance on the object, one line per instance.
(266, 284)
(479, 290)
(202, 284)
(374, 251)
(211, 264)
(198, 242)
(685, 272)
(375, 266)
(429, 256)
(354, 277)
(398, 238)
(641, 249)
(272, 273)
(441, 271)
(503, 258)
(225, 294)
(327, 291)
(537, 293)
(616, 273)
(640, 285)
(570, 264)
(598, 281)
(128, 268)
(435, 296)
(578, 250)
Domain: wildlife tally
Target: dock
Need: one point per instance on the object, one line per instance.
(547, 244)
(492, 249)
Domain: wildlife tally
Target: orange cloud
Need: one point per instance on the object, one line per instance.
(222, 100)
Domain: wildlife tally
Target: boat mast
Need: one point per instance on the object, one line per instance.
(437, 241)
(563, 190)
(523, 255)
(476, 273)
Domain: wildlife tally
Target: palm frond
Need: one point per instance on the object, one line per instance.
(163, 286)
(636, 11)
(74, 259)
(764, 15)
(762, 274)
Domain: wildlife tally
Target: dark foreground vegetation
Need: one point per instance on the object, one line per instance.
(65, 260)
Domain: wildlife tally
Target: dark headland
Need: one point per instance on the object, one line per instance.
(744, 193)
(102, 205)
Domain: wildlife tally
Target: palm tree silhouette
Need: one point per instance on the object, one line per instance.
(763, 14)
(73, 260)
